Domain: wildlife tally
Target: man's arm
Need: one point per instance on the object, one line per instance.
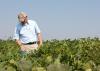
(39, 35)
(39, 39)
(16, 35)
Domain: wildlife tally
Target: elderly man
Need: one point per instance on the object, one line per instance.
(27, 33)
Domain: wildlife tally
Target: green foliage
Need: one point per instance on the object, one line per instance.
(55, 55)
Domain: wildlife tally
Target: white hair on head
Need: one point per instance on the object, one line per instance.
(22, 14)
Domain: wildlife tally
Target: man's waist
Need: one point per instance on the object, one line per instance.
(29, 43)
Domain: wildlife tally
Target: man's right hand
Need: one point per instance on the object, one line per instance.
(19, 42)
(21, 45)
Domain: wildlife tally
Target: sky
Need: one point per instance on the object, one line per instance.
(57, 19)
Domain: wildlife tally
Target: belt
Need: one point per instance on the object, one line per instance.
(31, 43)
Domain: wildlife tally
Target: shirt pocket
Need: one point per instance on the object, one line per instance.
(31, 29)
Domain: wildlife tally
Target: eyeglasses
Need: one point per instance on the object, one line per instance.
(21, 17)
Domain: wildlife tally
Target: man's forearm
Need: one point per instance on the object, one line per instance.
(39, 39)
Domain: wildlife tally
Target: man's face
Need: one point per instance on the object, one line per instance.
(22, 19)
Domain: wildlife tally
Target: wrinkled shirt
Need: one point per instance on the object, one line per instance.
(28, 32)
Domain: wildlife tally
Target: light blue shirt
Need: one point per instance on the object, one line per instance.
(28, 32)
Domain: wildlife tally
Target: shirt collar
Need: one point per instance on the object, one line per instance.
(24, 24)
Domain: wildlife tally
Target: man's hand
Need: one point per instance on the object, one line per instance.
(19, 43)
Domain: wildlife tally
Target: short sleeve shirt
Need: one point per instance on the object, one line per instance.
(28, 32)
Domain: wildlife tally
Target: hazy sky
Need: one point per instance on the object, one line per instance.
(56, 18)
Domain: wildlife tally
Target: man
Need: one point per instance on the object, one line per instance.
(27, 33)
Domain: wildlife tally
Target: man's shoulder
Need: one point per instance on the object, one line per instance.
(18, 26)
(32, 22)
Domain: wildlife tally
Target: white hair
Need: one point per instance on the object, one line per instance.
(22, 14)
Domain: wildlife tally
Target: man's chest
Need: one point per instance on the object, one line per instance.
(27, 29)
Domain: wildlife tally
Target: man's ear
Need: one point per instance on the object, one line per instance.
(26, 19)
